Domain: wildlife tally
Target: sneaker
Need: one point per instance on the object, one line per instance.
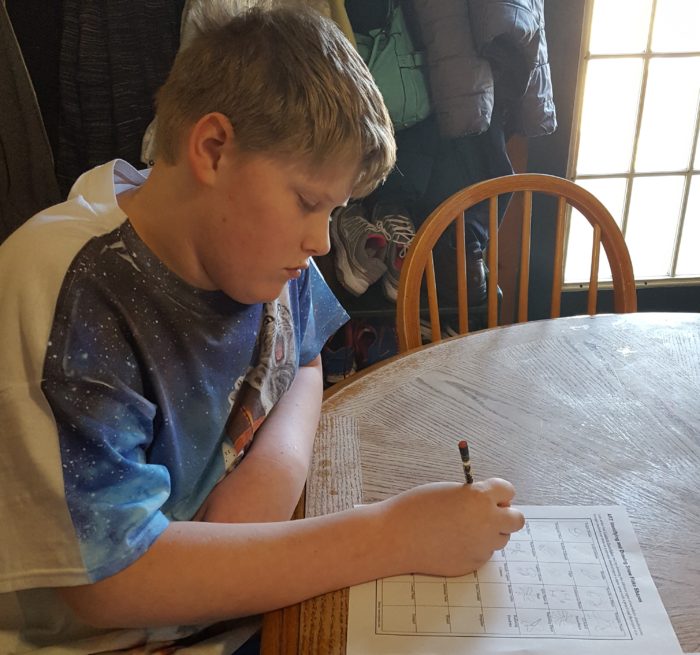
(373, 342)
(476, 274)
(359, 249)
(364, 337)
(426, 331)
(399, 231)
(385, 345)
(338, 355)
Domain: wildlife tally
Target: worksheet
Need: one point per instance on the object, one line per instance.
(572, 581)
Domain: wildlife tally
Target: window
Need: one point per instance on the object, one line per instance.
(636, 146)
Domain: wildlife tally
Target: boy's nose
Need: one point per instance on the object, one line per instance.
(317, 239)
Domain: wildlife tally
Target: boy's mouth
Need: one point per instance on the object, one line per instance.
(295, 271)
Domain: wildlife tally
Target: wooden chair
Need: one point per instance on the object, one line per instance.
(419, 262)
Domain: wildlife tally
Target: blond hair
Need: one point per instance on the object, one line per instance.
(289, 82)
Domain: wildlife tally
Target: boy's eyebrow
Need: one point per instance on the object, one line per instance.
(325, 196)
(318, 192)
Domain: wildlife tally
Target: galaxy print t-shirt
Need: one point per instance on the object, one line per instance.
(157, 389)
(127, 394)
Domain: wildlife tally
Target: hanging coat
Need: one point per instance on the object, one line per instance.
(485, 51)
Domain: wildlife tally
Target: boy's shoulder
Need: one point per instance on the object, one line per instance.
(35, 259)
(46, 243)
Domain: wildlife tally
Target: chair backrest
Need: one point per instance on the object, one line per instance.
(419, 263)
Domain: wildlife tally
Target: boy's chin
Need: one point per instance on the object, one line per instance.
(257, 296)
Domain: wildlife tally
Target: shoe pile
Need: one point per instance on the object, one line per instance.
(358, 247)
(477, 272)
(394, 223)
(426, 331)
(358, 344)
(374, 341)
(338, 355)
(476, 275)
(366, 251)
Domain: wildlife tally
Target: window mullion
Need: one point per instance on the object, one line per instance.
(638, 122)
(686, 193)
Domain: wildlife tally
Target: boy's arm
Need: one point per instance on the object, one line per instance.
(267, 484)
(198, 572)
(224, 566)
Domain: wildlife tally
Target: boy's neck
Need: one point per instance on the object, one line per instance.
(163, 212)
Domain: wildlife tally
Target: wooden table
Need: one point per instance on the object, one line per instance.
(574, 411)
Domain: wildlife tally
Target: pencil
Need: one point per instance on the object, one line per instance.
(466, 463)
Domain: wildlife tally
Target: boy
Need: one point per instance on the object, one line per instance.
(162, 323)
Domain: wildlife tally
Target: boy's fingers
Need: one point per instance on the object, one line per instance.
(513, 520)
(502, 490)
(503, 541)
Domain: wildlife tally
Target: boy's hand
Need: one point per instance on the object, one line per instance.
(450, 528)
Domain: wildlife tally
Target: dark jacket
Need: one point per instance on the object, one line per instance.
(486, 52)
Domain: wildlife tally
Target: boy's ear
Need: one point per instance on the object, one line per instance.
(208, 141)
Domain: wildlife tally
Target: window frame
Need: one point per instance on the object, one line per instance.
(687, 173)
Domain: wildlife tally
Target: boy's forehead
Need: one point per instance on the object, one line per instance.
(332, 178)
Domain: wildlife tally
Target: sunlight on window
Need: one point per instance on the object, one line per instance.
(610, 102)
(688, 254)
(651, 227)
(676, 26)
(578, 253)
(669, 114)
(607, 37)
(611, 192)
(637, 126)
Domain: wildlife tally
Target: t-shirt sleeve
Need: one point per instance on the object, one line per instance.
(105, 426)
(79, 500)
(321, 314)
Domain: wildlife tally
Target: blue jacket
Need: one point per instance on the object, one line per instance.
(486, 52)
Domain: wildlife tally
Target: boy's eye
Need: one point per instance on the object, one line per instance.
(307, 205)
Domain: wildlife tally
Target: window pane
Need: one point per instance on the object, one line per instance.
(610, 101)
(676, 26)
(611, 192)
(619, 27)
(669, 114)
(651, 224)
(689, 252)
(578, 249)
